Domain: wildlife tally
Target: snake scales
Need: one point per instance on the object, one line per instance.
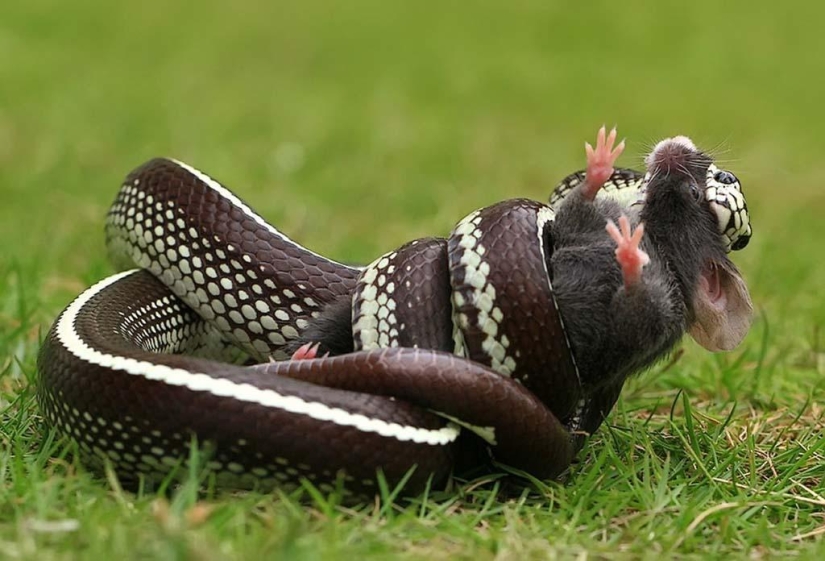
(461, 350)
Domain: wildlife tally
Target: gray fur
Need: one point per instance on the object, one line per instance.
(332, 329)
(613, 331)
(616, 331)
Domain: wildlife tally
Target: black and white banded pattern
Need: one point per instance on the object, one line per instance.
(255, 285)
(146, 362)
(724, 193)
(252, 420)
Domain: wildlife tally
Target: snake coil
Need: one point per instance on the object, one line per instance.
(460, 348)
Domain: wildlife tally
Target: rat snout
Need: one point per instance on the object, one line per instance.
(671, 153)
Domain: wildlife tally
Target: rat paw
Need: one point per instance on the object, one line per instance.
(600, 162)
(630, 256)
(306, 352)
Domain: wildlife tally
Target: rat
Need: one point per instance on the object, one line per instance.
(628, 293)
(629, 281)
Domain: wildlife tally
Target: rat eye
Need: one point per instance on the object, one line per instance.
(694, 191)
(724, 177)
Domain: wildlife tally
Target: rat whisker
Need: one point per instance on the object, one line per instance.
(726, 161)
(719, 148)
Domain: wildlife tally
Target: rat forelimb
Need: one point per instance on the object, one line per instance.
(600, 162)
(630, 256)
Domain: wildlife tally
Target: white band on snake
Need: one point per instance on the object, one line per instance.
(459, 350)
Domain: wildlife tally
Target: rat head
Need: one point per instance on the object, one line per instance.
(695, 214)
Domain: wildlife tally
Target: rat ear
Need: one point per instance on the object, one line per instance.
(722, 307)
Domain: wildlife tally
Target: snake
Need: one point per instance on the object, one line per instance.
(460, 354)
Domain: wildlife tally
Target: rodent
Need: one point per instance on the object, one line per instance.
(625, 308)
(619, 325)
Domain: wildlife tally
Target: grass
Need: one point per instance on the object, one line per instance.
(358, 126)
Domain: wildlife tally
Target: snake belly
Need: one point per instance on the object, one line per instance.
(456, 339)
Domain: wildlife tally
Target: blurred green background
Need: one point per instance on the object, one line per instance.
(360, 124)
(356, 126)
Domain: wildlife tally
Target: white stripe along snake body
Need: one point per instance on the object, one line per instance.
(455, 333)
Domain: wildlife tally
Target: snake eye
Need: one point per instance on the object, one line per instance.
(724, 177)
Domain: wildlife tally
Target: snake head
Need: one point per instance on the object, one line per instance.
(725, 198)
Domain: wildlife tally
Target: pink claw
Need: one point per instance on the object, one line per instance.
(600, 162)
(306, 352)
(630, 256)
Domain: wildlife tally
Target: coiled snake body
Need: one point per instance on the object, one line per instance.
(453, 337)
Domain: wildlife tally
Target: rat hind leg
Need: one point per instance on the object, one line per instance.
(600, 162)
(307, 351)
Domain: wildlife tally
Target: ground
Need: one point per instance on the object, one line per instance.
(358, 126)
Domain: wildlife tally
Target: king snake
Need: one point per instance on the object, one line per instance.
(461, 354)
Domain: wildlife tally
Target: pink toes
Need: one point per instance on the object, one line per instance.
(600, 161)
(630, 256)
(305, 352)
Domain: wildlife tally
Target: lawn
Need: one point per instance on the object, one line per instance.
(357, 126)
